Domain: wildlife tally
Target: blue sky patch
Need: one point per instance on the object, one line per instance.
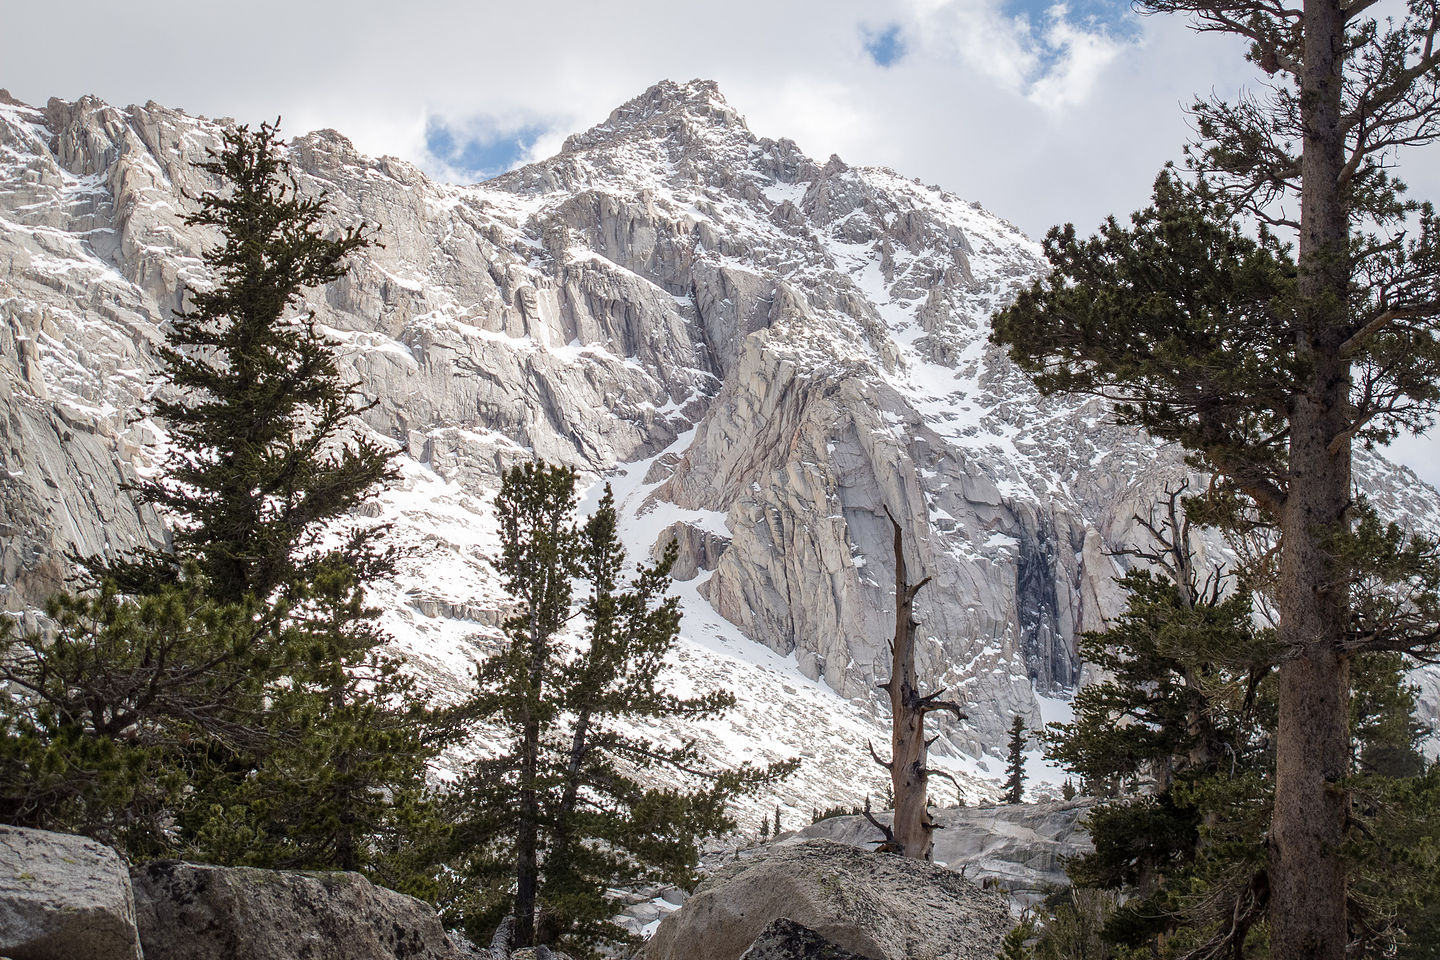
(1116, 17)
(885, 46)
(480, 156)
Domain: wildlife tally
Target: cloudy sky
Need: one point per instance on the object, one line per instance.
(1044, 113)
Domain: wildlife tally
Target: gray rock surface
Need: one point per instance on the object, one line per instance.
(63, 897)
(784, 939)
(188, 911)
(876, 905)
(1020, 846)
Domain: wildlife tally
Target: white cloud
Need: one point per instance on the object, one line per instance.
(1081, 58)
(980, 40)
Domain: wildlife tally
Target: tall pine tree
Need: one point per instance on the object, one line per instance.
(1213, 339)
(313, 752)
(1348, 354)
(267, 467)
(1179, 736)
(548, 826)
(1015, 763)
(264, 459)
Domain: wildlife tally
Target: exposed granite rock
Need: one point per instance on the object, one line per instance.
(876, 905)
(1021, 846)
(61, 487)
(697, 549)
(188, 911)
(63, 897)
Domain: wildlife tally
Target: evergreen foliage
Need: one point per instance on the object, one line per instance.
(816, 814)
(1075, 922)
(1014, 946)
(264, 461)
(230, 701)
(1014, 786)
(106, 702)
(1267, 370)
(267, 467)
(1184, 709)
(1186, 714)
(547, 826)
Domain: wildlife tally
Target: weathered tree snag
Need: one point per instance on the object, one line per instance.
(912, 834)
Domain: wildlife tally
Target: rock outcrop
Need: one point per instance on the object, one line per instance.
(188, 911)
(1019, 846)
(63, 897)
(878, 906)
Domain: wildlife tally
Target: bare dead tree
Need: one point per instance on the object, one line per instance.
(912, 833)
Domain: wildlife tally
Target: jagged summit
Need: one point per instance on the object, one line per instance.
(662, 109)
(674, 133)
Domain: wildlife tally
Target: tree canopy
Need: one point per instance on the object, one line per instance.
(570, 807)
(1268, 366)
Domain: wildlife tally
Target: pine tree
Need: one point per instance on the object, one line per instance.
(1014, 946)
(102, 703)
(1180, 712)
(1185, 715)
(1269, 374)
(267, 466)
(315, 756)
(264, 460)
(1015, 763)
(546, 828)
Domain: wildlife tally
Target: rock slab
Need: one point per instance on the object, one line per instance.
(877, 906)
(188, 911)
(63, 897)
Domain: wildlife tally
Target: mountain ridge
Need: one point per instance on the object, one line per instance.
(760, 352)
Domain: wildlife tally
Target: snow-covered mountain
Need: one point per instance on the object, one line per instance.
(759, 352)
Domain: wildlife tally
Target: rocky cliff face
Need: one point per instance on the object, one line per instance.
(762, 353)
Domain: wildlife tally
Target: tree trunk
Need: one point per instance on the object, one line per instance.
(548, 927)
(1307, 909)
(527, 846)
(913, 826)
(527, 861)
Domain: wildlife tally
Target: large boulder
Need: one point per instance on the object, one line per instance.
(63, 897)
(188, 911)
(878, 906)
